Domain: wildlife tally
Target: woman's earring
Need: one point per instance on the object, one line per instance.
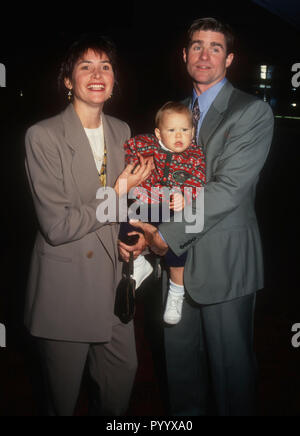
(70, 95)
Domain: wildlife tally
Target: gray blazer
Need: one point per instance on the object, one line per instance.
(225, 260)
(74, 268)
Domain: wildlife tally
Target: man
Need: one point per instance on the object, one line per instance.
(214, 340)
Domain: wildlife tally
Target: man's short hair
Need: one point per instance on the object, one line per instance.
(172, 106)
(213, 25)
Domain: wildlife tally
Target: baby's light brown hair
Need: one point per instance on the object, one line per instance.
(172, 106)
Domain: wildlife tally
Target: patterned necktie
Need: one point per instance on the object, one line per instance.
(196, 116)
(102, 174)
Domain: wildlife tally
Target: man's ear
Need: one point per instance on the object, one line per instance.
(229, 60)
(184, 55)
(157, 134)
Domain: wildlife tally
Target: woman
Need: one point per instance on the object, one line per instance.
(75, 266)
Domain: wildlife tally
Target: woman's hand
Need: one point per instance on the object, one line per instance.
(133, 176)
(137, 249)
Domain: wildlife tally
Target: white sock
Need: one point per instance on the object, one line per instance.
(139, 261)
(141, 270)
(176, 289)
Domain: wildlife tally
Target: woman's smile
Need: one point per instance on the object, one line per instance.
(98, 87)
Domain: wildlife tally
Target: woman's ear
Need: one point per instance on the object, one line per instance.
(68, 83)
(157, 134)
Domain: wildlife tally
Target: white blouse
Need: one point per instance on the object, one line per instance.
(96, 139)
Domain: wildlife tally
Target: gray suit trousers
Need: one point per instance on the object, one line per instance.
(112, 367)
(212, 343)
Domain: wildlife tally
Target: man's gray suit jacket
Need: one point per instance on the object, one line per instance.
(225, 259)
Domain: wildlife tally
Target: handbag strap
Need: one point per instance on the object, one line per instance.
(130, 266)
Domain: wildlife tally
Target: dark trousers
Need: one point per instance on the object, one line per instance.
(212, 346)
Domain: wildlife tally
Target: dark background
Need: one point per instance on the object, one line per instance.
(150, 38)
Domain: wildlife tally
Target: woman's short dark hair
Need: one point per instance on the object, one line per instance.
(213, 25)
(99, 44)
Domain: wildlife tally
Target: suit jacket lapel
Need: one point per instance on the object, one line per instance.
(115, 164)
(215, 114)
(84, 168)
(83, 165)
(210, 124)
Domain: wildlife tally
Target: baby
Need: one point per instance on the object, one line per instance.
(178, 163)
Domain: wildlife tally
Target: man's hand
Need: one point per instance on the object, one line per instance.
(152, 237)
(177, 202)
(136, 249)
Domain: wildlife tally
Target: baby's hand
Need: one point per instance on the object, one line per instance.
(133, 176)
(151, 160)
(177, 202)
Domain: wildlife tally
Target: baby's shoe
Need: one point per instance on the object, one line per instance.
(173, 310)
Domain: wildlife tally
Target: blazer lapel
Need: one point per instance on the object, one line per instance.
(215, 115)
(85, 171)
(108, 235)
(209, 126)
(83, 165)
(115, 166)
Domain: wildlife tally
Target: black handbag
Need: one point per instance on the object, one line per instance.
(125, 296)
